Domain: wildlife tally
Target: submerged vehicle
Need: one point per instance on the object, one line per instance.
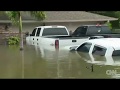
(102, 47)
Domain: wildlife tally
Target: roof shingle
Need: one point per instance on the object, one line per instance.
(75, 16)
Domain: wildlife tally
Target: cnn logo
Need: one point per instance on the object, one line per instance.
(111, 72)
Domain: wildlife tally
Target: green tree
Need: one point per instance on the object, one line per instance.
(116, 14)
(16, 18)
(109, 24)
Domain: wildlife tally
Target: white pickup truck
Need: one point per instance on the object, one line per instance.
(54, 36)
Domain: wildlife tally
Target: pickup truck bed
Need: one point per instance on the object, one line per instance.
(62, 41)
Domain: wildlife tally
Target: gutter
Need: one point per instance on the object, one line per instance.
(36, 21)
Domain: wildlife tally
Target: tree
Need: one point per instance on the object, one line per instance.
(116, 14)
(109, 25)
(16, 18)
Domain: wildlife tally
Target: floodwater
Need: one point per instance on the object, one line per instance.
(36, 62)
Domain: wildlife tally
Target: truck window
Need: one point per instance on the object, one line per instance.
(84, 47)
(33, 32)
(54, 31)
(98, 30)
(105, 30)
(38, 32)
(80, 31)
(94, 30)
(116, 53)
(99, 50)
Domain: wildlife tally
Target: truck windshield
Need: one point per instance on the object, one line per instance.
(54, 31)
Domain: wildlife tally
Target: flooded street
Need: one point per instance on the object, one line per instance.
(38, 62)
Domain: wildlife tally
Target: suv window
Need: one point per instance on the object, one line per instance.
(116, 53)
(84, 47)
(98, 50)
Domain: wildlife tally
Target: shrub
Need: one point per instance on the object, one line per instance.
(13, 40)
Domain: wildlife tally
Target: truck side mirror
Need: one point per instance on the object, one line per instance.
(27, 34)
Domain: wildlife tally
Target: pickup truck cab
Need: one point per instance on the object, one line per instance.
(54, 36)
(102, 47)
(95, 30)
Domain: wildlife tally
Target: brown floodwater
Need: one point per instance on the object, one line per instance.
(36, 62)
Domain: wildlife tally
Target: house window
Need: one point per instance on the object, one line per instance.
(6, 27)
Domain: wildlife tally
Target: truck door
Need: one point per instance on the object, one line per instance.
(38, 38)
(32, 36)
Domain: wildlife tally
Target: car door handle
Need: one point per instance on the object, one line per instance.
(74, 40)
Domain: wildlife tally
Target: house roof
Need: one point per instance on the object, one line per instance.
(62, 16)
(75, 16)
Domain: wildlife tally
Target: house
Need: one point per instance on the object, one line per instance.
(70, 19)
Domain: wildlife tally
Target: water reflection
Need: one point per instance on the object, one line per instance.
(37, 61)
(10, 62)
(59, 63)
(112, 62)
(22, 60)
(64, 64)
(100, 60)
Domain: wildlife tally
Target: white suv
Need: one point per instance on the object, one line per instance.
(103, 47)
